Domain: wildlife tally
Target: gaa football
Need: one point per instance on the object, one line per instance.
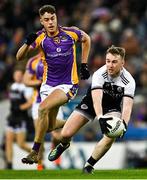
(117, 127)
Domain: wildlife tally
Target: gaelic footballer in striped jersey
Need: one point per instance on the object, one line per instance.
(109, 97)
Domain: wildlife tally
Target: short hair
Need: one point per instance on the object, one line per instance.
(47, 8)
(116, 50)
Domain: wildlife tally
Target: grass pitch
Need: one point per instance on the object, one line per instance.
(74, 174)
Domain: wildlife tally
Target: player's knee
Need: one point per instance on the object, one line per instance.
(42, 110)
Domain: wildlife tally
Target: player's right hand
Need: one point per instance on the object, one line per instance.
(30, 38)
(103, 124)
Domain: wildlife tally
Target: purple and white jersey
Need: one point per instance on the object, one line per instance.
(35, 67)
(59, 56)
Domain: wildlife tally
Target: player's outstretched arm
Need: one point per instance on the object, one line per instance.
(22, 52)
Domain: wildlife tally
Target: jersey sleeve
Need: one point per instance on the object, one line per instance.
(74, 32)
(28, 92)
(97, 80)
(29, 67)
(78, 33)
(130, 89)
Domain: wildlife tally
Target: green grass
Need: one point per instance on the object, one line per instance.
(74, 174)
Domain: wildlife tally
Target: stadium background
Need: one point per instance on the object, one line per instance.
(118, 22)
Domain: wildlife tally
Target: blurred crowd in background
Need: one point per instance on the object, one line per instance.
(119, 22)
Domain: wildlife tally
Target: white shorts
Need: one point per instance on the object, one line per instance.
(35, 107)
(70, 90)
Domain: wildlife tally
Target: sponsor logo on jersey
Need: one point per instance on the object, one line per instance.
(58, 49)
(59, 53)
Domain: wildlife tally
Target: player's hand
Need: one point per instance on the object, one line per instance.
(30, 38)
(124, 131)
(84, 72)
(104, 125)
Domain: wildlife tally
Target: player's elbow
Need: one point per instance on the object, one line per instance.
(22, 52)
(18, 57)
(87, 39)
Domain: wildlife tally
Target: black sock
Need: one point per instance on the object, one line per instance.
(64, 144)
(36, 146)
(91, 161)
(9, 165)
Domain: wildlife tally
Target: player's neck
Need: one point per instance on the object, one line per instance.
(52, 34)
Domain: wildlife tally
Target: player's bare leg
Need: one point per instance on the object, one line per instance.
(9, 148)
(21, 141)
(47, 118)
(40, 165)
(99, 151)
(60, 123)
(55, 139)
(72, 125)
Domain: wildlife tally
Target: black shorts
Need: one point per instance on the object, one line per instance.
(16, 122)
(86, 107)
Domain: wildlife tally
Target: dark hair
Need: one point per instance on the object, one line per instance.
(47, 8)
(116, 50)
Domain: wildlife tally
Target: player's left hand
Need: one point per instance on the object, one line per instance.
(84, 72)
(125, 129)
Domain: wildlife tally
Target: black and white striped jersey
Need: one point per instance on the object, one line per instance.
(114, 89)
